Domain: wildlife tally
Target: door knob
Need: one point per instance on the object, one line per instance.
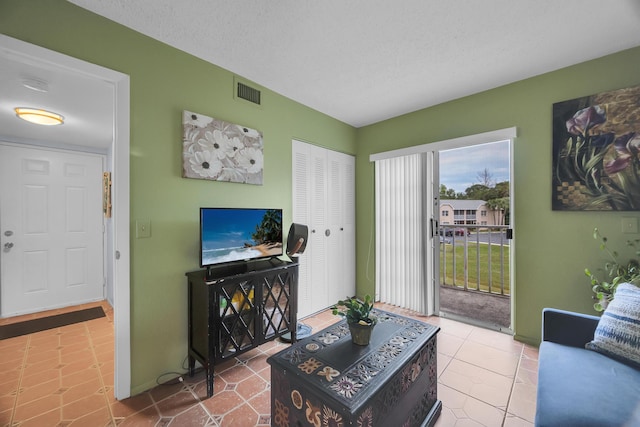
(8, 233)
(8, 245)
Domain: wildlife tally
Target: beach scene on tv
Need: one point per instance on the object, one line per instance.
(240, 234)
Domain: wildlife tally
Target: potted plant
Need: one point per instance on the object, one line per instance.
(359, 318)
(615, 273)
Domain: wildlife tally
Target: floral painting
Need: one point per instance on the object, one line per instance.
(596, 152)
(220, 151)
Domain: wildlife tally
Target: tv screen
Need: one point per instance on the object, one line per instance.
(236, 234)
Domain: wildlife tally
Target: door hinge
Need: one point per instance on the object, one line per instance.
(509, 233)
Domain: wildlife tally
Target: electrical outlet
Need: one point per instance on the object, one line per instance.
(143, 228)
(629, 225)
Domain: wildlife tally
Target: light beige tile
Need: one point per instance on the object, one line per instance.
(531, 352)
(459, 409)
(496, 360)
(512, 421)
(451, 327)
(497, 340)
(448, 344)
(526, 375)
(523, 401)
(443, 362)
(480, 383)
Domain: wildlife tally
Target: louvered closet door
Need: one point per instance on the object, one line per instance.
(341, 218)
(323, 199)
(309, 184)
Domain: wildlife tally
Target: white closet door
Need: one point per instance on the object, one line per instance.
(317, 258)
(310, 209)
(341, 239)
(323, 199)
(301, 191)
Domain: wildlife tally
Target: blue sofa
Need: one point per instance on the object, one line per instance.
(580, 387)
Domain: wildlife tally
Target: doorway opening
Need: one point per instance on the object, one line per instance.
(474, 217)
(27, 59)
(410, 239)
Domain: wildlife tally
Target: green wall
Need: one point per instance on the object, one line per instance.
(552, 247)
(164, 82)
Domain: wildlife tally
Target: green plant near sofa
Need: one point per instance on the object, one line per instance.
(615, 271)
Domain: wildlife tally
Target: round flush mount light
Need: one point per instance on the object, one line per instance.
(39, 116)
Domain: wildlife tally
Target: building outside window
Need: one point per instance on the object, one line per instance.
(468, 212)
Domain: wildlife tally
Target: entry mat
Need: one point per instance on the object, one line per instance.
(50, 322)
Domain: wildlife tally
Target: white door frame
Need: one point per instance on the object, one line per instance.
(466, 141)
(118, 164)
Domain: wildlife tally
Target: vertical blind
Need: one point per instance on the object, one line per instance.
(400, 231)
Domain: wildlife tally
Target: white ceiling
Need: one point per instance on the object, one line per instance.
(359, 61)
(363, 61)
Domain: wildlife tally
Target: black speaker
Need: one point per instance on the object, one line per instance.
(297, 240)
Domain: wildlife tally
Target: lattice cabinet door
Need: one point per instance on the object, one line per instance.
(278, 303)
(238, 314)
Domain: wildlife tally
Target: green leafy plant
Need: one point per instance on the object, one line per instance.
(615, 272)
(355, 310)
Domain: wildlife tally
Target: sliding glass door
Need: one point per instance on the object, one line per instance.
(430, 230)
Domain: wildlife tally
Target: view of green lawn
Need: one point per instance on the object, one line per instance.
(477, 266)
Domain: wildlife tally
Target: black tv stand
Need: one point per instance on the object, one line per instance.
(236, 307)
(215, 272)
(209, 274)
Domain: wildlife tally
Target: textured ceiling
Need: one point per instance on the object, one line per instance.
(363, 61)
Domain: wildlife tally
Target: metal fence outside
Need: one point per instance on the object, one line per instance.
(475, 258)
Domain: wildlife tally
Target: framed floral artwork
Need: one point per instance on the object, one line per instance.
(596, 152)
(220, 151)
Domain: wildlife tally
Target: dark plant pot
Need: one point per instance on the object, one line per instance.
(360, 334)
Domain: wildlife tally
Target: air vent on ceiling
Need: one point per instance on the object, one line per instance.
(248, 93)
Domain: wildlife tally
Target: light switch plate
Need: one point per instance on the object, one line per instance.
(143, 228)
(629, 225)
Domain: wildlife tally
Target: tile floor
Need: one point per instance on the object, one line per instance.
(64, 377)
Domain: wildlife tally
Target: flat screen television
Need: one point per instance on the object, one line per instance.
(239, 234)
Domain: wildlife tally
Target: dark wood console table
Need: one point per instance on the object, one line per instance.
(326, 379)
(235, 308)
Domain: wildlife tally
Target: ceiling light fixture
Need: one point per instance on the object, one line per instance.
(40, 117)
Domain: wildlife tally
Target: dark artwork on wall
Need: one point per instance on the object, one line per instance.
(596, 152)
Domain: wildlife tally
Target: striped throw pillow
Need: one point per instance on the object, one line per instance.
(618, 332)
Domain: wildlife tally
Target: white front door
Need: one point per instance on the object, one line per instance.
(51, 229)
